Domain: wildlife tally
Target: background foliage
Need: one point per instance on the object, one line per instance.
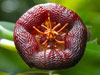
(10, 61)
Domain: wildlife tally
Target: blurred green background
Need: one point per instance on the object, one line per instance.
(10, 12)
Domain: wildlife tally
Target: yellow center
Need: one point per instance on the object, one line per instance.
(50, 32)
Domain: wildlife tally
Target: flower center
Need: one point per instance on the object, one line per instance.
(50, 32)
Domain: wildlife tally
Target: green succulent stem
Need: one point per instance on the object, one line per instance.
(5, 33)
(11, 74)
(52, 73)
(7, 44)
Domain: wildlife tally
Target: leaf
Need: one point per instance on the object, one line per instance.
(6, 30)
(7, 25)
(39, 1)
(71, 4)
(10, 62)
(92, 45)
(88, 65)
(2, 73)
(7, 34)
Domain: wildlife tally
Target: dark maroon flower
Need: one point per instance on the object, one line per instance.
(50, 36)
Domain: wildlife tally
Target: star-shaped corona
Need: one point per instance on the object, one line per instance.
(50, 32)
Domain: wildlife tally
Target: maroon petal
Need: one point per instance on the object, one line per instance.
(53, 54)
